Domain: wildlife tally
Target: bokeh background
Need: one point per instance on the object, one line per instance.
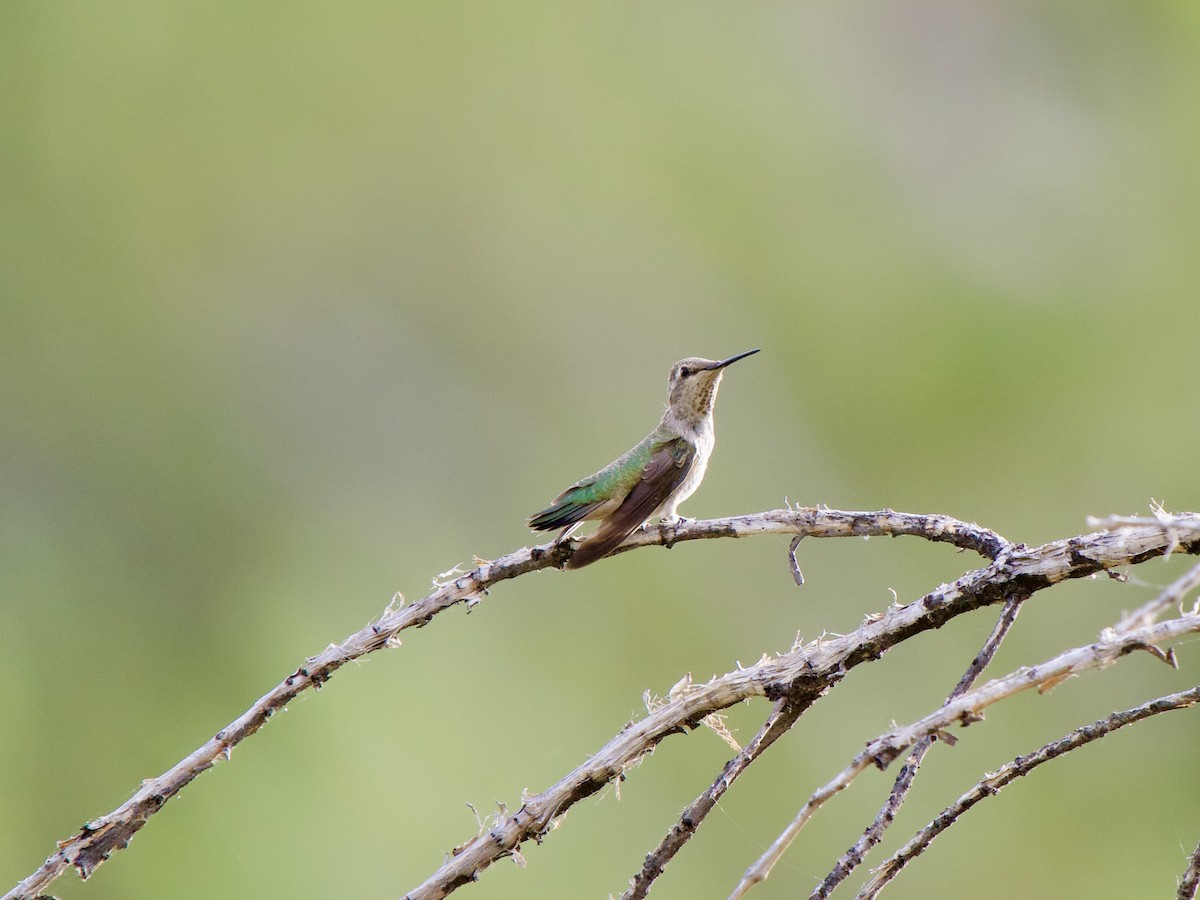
(304, 303)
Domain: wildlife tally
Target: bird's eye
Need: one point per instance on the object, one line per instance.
(684, 372)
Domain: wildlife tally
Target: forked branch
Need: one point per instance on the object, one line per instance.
(807, 672)
(1010, 772)
(798, 676)
(874, 833)
(968, 708)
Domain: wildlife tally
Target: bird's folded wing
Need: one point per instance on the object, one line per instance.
(565, 511)
(663, 473)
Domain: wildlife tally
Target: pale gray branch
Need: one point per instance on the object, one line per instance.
(1009, 772)
(101, 837)
(807, 672)
(964, 710)
(874, 832)
(782, 717)
(800, 675)
(1173, 594)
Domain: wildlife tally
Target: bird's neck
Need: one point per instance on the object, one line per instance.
(692, 425)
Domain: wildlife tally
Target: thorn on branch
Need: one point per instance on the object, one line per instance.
(793, 565)
(970, 717)
(947, 738)
(1051, 683)
(1167, 656)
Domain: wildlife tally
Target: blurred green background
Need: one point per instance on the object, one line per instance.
(305, 303)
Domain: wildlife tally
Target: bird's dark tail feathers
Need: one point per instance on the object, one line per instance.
(604, 541)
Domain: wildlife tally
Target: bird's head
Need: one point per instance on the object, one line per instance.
(692, 386)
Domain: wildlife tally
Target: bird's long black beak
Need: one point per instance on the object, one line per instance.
(723, 363)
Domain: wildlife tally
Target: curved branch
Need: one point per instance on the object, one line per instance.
(1009, 772)
(818, 522)
(874, 833)
(782, 717)
(99, 838)
(964, 710)
(807, 672)
(1174, 593)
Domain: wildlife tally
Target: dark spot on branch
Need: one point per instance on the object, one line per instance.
(803, 689)
(589, 787)
(1029, 583)
(885, 758)
(1079, 558)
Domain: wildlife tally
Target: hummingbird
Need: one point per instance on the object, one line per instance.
(654, 477)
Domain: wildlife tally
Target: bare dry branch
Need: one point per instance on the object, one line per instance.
(782, 717)
(1173, 594)
(809, 671)
(966, 709)
(874, 833)
(101, 837)
(1022, 765)
(803, 674)
(793, 563)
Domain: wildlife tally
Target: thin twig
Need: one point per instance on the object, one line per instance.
(1173, 594)
(874, 833)
(1176, 525)
(1022, 765)
(964, 710)
(793, 563)
(1186, 521)
(783, 716)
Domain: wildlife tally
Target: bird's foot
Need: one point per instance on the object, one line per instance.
(668, 526)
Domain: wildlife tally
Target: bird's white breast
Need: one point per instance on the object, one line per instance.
(703, 437)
